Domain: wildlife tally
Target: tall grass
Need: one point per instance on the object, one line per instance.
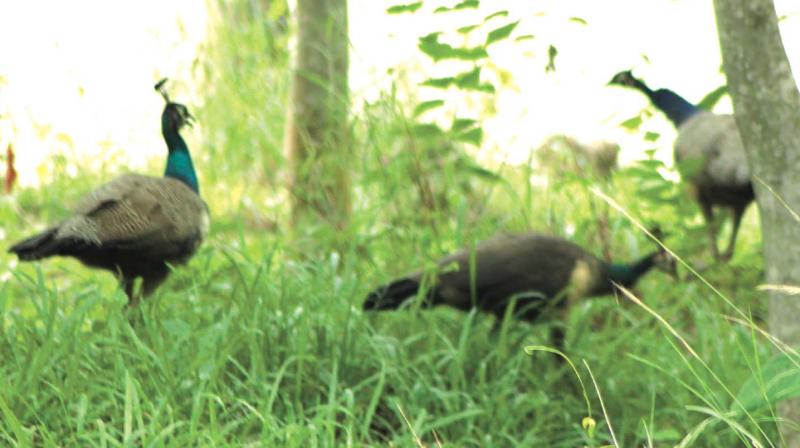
(253, 344)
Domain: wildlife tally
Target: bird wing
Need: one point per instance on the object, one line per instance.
(508, 265)
(711, 150)
(134, 211)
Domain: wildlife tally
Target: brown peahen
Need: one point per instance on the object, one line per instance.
(710, 154)
(135, 225)
(540, 272)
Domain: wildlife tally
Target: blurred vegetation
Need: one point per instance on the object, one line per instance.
(254, 344)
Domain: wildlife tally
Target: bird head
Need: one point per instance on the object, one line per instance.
(624, 78)
(663, 260)
(175, 115)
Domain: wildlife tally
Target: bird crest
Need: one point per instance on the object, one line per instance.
(178, 113)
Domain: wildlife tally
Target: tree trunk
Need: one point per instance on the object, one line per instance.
(767, 105)
(317, 138)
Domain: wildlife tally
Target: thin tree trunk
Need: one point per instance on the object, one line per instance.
(767, 105)
(317, 138)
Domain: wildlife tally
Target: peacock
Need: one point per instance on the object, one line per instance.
(540, 272)
(710, 154)
(135, 225)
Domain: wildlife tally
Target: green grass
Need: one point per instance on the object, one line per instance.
(259, 343)
(253, 343)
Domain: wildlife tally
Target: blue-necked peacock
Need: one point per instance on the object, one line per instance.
(711, 155)
(135, 225)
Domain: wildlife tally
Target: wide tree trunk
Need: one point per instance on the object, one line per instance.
(317, 138)
(767, 105)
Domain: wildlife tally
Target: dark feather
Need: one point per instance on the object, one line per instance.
(531, 269)
(36, 247)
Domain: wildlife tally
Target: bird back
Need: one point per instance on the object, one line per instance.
(710, 151)
(507, 265)
(136, 212)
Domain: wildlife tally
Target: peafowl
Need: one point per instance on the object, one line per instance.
(540, 272)
(134, 225)
(710, 154)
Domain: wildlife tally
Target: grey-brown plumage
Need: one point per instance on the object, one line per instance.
(531, 268)
(710, 154)
(134, 226)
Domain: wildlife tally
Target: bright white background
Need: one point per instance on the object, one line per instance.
(85, 68)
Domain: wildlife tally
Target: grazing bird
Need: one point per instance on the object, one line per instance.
(135, 225)
(710, 155)
(540, 272)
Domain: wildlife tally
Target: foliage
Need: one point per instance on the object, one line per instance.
(255, 344)
(245, 81)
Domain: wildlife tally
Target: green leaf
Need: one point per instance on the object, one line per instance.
(495, 15)
(467, 29)
(666, 435)
(712, 98)
(431, 46)
(426, 106)
(653, 188)
(399, 9)
(632, 123)
(500, 33)
(473, 136)
(469, 80)
(460, 124)
(778, 379)
(23, 437)
(427, 130)
(466, 4)
(651, 166)
(486, 87)
(524, 37)
(471, 54)
(578, 20)
(439, 83)
(479, 171)
(651, 136)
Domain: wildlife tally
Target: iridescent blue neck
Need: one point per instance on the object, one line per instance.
(179, 161)
(628, 274)
(677, 109)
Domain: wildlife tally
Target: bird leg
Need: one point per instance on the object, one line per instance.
(736, 212)
(558, 329)
(711, 227)
(153, 281)
(558, 334)
(127, 285)
(150, 282)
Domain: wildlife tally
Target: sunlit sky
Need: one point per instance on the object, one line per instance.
(85, 68)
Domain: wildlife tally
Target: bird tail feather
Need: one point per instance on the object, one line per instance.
(392, 295)
(38, 246)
